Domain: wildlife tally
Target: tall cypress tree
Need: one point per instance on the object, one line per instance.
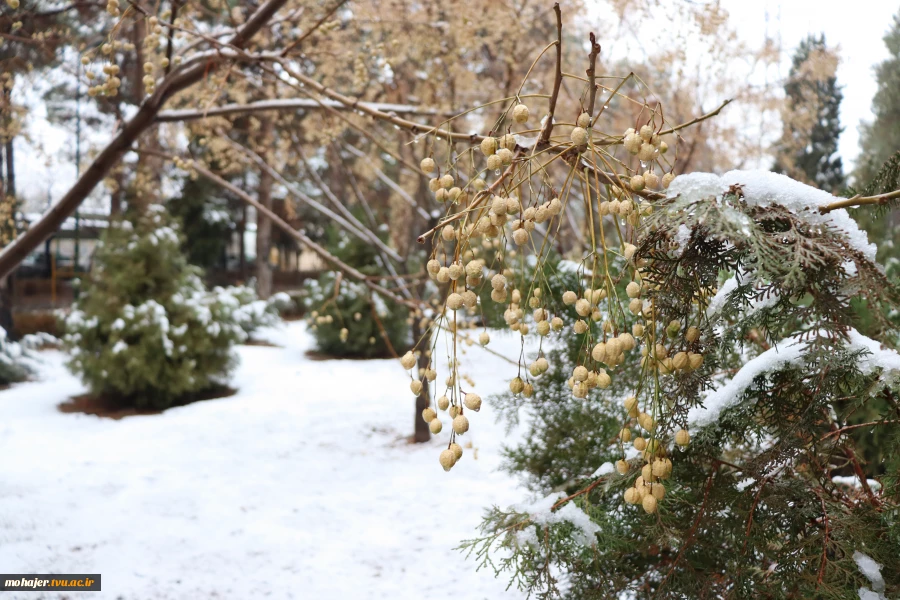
(808, 147)
(881, 138)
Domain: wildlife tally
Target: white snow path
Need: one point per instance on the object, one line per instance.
(299, 486)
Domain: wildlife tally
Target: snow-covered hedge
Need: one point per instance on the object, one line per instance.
(350, 321)
(145, 330)
(17, 359)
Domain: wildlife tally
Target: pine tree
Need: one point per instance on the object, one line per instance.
(145, 331)
(808, 147)
(881, 138)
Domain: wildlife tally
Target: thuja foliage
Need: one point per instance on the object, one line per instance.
(344, 316)
(145, 331)
(698, 364)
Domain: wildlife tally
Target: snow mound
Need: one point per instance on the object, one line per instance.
(763, 188)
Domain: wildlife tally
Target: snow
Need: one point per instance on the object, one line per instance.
(541, 514)
(717, 303)
(855, 482)
(301, 485)
(786, 352)
(604, 469)
(872, 571)
(764, 188)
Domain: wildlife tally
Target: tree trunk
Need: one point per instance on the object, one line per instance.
(422, 433)
(264, 223)
(242, 246)
(6, 283)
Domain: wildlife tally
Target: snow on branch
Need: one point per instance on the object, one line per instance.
(788, 352)
(763, 188)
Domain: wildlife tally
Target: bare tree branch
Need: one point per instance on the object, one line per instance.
(167, 116)
(301, 238)
(176, 81)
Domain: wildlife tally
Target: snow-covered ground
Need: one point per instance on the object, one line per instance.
(299, 486)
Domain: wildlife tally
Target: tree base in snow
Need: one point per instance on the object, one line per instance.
(112, 407)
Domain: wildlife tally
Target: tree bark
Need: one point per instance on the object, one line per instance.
(422, 433)
(264, 223)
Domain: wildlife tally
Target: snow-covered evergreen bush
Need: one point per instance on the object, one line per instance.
(344, 316)
(747, 452)
(18, 359)
(348, 320)
(250, 312)
(145, 330)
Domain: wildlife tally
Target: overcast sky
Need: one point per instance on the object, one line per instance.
(856, 27)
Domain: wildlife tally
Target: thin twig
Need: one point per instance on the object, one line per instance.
(858, 200)
(592, 76)
(548, 125)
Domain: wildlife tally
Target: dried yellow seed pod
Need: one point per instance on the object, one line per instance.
(454, 301)
(639, 443)
(447, 181)
(583, 307)
(408, 361)
(632, 496)
(457, 451)
(494, 163)
(443, 403)
(631, 405)
(636, 306)
(667, 179)
(506, 156)
(682, 437)
(489, 146)
(516, 385)
(569, 297)
(638, 330)
(580, 373)
(579, 136)
(603, 380)
(646, 133)
(637, 183)
(415, 386)
(454, 410)
(520, 237)
(649, 504)
(696, 360)
(663, 147)
(448, 459)
(621, 467)
(633, 289)
(428, 415)
(460, 424)
(543, 328)
(651, 179)
(520, 113)
(472, 401)
(435, 426)
(646, 421)
(628, 251)
(484, 339)
(625, 435)
(528, 390)
(427, 165)
(647, 152)
(692, 334)
(647, 472)
(584, 120)
(580, 326)
(557, 324)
